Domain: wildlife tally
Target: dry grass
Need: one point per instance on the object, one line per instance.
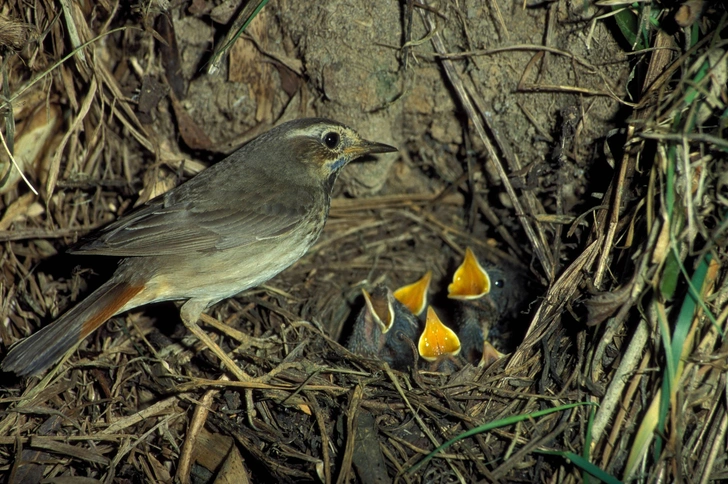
(631, 317)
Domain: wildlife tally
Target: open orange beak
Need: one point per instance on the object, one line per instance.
(437, 339)
(470, 281)
(414, 296)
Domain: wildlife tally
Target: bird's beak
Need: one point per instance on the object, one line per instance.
(414, 296)
(490, 355)
(470, 281)
(437, 339)
(381, 310)
(365, 147)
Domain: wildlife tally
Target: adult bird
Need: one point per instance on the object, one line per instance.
(232, 227)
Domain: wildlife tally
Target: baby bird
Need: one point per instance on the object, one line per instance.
(486, 303)
(385, 329)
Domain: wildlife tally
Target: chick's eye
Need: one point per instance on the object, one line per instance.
(500, 283)
(331, 140)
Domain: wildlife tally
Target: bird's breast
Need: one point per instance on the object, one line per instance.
(219, 274)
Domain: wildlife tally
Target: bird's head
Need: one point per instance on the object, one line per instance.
(326, 146)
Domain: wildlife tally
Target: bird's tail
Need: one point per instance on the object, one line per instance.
(40, 350)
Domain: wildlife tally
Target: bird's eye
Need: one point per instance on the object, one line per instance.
(500, 283)
(331, 140)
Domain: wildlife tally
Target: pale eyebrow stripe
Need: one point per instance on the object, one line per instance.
(310, 131)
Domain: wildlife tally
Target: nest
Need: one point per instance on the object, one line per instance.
(620, 374)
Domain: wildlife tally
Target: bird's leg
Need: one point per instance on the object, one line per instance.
(190, 313)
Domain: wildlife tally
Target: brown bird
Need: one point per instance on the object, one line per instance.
(233, 226)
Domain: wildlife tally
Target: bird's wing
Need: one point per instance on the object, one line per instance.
(201, 218)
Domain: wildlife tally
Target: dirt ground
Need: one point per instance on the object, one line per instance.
(509, 119)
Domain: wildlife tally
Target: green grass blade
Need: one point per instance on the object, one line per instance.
(585, 465)
(490, 426)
